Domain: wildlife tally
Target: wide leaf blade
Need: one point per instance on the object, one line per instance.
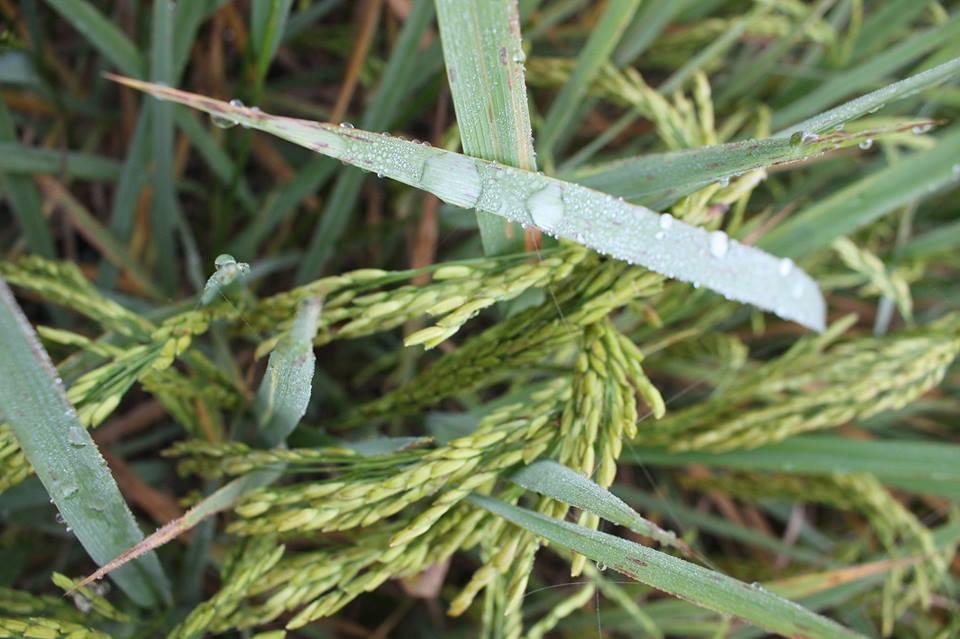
(617, 228)
(66, 460)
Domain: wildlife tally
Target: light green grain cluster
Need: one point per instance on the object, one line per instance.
(45, 628)
(249, 562)
(211, 460)
(63, 284)
(562, 610)
(25, 604)
(673, 49)
(591, 294)
(807, 391)
(89, 600)
(448, 474)
(364, 302)
(877, 278)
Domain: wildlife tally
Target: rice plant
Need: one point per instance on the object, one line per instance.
(514, 318)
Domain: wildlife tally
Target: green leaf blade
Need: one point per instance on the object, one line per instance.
(705, 588)
(612, 226)
(66, 459)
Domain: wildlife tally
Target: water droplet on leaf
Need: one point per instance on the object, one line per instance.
(76, 436)
(866, 144)
(666, 221)
(786, 266)
(719, 243)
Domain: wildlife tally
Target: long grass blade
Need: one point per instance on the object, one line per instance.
(559, 482)
(65, 458)
(881, 192)
(484, 59)
(867, 74)
(102, 34)
(659, 178)
(163, 217)
(625, 231)
(875, 100)
(285, 390)
(23, 197)
(16, 158)
(705, 588)
(397, 83)
(595, 53)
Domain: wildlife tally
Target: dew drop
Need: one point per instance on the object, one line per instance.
(59, 518)
(75, 436)
(82, 603)
(519, 56)
(724, 182)
(719, 243)
(920, 129)
(866, 144)
(601, 566)
(786, 266)
(796, 138)
(756, 585)
(666, 221)
(224, 259)
(70, 491)
(380, 174)
(221, 122)
(346, 125)
(808, 137)
(69, 529)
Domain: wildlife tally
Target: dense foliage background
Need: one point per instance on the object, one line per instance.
(823, 468)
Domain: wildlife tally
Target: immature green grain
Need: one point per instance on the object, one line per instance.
(89, 599)
(45, 628)
(249, 563)
(813, 391)
(452, 471)
(561, 610)
(25, 604)
(885, 281)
